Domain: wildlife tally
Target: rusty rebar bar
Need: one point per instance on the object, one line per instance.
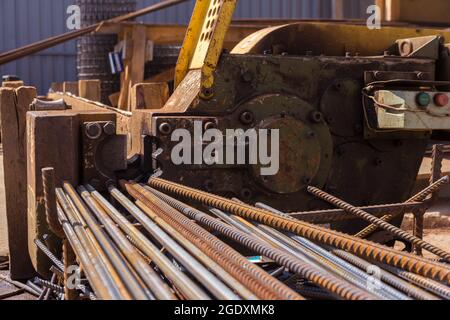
(309, 272)
(314, 233)
(49, 254)
(95, 270)
(190, 258)
(256, 279)
(335, 215)
(48, 184)
(378, 222)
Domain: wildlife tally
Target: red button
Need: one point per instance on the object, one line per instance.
(441, 99)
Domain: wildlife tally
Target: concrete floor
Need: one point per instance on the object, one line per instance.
(3, 229)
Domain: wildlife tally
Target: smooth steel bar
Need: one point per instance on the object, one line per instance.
(148, 275)
(96, 272)
(20, 285)
(215, 286)
(183, 283)
(378, 222)
(314, 233)
(118, 262)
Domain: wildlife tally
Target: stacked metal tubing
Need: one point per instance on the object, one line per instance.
(357, 246)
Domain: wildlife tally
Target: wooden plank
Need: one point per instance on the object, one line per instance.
(114, 99)
(149, 95)
(52, 141)
(12, 84)
(57, 87)
(13, 107)
(71, 87)
(125, 78)
(138, 60)
(90, 89)
(165, 76)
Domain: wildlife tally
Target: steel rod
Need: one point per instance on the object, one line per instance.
(314, 233)
(181, 281)
(311, 273)
(197, 269)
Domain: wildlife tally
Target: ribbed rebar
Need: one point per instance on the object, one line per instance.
(428, 284)
(49, 254)
(378, 222)
(309, 272)
(261, 283)
(48, 183)
(314, 233)
(421, 196)
(49, 285)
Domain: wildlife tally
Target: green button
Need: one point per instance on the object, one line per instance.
(423, 99)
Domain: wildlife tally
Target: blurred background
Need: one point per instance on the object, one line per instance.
(26, 21)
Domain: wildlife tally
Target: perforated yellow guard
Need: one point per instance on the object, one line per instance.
(204, 39)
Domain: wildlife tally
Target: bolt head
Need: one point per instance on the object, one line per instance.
(93, 130)
(165, 128)
(109, 128)
(316, 117)
(247, 117)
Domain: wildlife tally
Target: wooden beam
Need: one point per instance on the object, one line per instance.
(90, 89)
(12, 84)
(135, 66)
(71, 87)
(338, 9)
(149, 95)
(13, 105)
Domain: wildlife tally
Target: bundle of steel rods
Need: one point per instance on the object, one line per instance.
(149, 242)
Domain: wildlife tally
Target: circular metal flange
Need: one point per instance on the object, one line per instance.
(305, 144)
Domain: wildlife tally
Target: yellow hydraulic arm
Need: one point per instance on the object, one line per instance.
(204, 41)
